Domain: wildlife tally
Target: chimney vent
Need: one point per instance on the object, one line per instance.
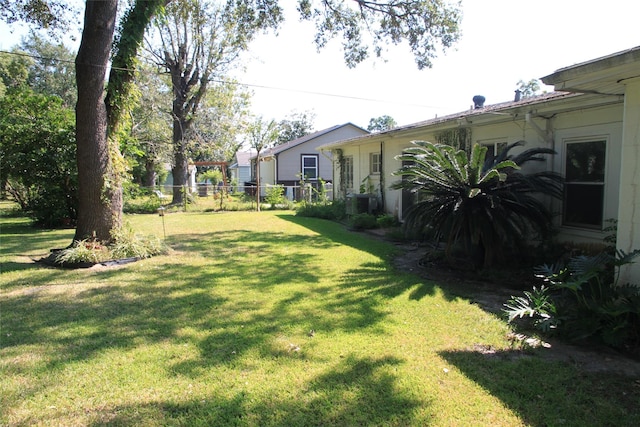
(518, 95)
(478, 101)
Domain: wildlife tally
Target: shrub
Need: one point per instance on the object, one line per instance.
(275, 195)
(486, 207)
(334, 210)
(84, 251)
(141, 205)
(363, 221)
(386, 221)
(584, 300)
(126, 245)
(37, 145)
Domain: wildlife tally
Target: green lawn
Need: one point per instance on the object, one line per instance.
(267, 319)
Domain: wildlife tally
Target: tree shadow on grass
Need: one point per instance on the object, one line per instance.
(355, 391)
(381, 277)
(149, 305)
(547, 393)
(221, 300)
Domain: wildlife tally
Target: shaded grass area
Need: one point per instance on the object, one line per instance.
(267, 319)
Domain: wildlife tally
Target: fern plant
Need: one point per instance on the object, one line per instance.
(586, 295)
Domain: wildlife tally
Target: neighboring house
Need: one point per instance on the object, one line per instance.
(240, 169)
(191, 178)
(287, 163)
(593, 125)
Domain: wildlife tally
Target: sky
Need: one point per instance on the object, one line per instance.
(502, 42)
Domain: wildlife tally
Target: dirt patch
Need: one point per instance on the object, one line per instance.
(491, 296)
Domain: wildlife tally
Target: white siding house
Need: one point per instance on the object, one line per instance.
(287, 163)
(240, 169)
(592, 122)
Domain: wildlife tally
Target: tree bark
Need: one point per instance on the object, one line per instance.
(150, 173)
(180, 168)
(99, 192)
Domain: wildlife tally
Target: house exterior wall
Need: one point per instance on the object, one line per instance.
(628, 236)
(289, 165)
(267, 174)
(588, 121)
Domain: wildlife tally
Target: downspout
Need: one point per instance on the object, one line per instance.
(275, 167)
(546, 135)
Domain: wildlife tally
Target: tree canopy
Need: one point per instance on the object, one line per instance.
(295, 125)
(382, 123)
(365, 25)
(428, 26)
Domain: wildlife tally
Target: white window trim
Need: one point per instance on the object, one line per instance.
(317, 166)
(371, 163)
(586, 139)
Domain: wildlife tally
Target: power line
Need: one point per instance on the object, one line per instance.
(236, 83)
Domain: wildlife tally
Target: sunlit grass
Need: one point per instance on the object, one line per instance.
(261, 319)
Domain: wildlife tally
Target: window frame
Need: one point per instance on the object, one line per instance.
(377, 170)
(316, 167)
(494, 147)
(577, 183)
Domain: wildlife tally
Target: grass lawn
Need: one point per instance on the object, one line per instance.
(267, 319)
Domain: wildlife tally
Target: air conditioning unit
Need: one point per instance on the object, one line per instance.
(361, 203)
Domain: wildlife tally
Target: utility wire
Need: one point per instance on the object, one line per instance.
(250, 85)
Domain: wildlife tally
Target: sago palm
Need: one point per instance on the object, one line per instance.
(484, 206)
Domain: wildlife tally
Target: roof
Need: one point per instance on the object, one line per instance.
(489, 110)
(288, 145)
(605, 75)
(243, 159)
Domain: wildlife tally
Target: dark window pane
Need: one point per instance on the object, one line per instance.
(583, 205)
(585, 161)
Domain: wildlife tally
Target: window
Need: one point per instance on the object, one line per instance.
(584, 183)
(493, 149)
(375, 163)
(310, 166)
(348, 173)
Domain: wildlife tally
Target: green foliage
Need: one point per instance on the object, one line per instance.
(529, 89)
(584, 299)
(84, 251)
(14, 70)
(51, 71)
(386, 221)
(275, 195)
(50, 14)
(38, 156)
(143, 204)
(362, 221)
(214, 176)
(425, 25)
(335, 210)
(484, 207)
(295, 126)
(127, 244)
(127, 42)
(537, 305)
(381, 124)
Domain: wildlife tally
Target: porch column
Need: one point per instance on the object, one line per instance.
(628, 237)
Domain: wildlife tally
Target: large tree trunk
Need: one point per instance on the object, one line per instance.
(180, 170)
(100, 196)
(150, 174)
